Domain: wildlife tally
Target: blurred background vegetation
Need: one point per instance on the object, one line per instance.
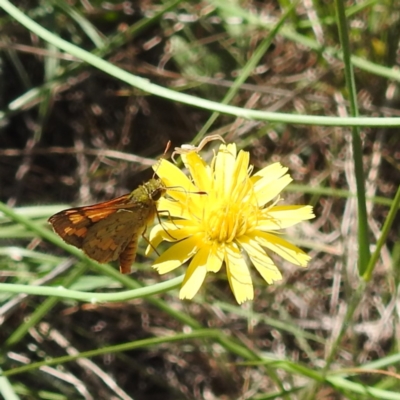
(73, 134)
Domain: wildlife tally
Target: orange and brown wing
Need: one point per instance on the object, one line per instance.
(108, 238)
(106, 231)
(73, 224)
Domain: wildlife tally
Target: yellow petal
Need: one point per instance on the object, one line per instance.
(268, 192)
(224, 165)
(199, 171)
(215, 257)
(240, 172)
(177, 208)
(264, 265)
(241, 184)
(173, 177)
(283, 248)
(176, 255)
(170, 232)
(269, 174)
(305, 212)
(195, 274)
(238, 274)
(280, 217)
(174, 208)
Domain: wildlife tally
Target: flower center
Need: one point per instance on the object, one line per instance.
(229, 220)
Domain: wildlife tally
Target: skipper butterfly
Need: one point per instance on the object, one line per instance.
(110, 230)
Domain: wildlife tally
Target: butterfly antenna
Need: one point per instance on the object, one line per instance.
(163, 156)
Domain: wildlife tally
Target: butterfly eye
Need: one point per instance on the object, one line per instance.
(157, 193)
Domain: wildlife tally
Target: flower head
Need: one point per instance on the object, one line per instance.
(222, 213)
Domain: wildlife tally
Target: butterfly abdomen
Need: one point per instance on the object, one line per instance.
(128, 256)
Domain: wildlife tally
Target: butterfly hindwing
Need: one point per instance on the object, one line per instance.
(109, 237)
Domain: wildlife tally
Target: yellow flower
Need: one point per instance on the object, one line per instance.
(235, 213)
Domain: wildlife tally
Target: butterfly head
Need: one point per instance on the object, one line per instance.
(155, 189)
